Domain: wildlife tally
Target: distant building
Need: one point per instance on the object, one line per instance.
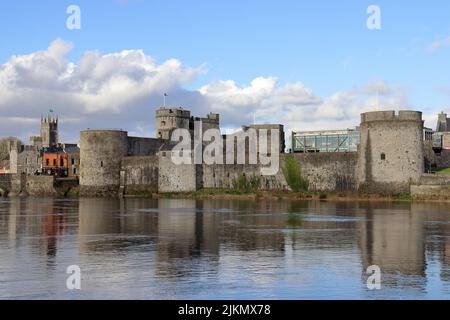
(25, 159)
(441, 141)
(325, 141)
(443, 124)
(428, 134)
(54, 162)
(441, 138)
(49, 132)
(44, 155)
(73, 159)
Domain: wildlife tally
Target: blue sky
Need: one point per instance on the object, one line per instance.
(325, 45)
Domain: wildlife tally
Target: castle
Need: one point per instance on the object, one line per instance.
(114, 163)
(390, 157)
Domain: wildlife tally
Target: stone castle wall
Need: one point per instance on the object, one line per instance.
(329, 171)
(37, 186)
(143, 146)
(140, 174)
(12, 184)
(324, 171)
(177, 178)
(5, 183)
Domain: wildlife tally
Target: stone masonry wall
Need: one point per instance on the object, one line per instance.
(177, 178)
(328, 171)
(143, 146)
(140, 174)
(41, 186)
(324, 171)
(222, 176)
(5, 182)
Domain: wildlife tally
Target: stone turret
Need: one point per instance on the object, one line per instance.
(391, 153)
(169, 119)
(101, 153)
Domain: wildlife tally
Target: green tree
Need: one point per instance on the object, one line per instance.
(293, 175)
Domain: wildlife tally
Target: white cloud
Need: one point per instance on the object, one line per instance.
(440, 43)
(296, 105)
(226, 94)
(123, 89)
(111, 90)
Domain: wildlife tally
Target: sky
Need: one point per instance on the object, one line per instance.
(310, 65)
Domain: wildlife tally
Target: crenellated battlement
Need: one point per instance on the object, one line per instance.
(405, 115)
(173, 112)
(49, 120)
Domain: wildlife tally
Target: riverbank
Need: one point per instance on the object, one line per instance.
(231, 194)
(226, 194)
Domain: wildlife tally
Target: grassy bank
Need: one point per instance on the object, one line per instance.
(444, 171)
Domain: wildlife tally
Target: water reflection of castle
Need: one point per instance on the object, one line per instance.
(391, 236)
(180, 230)
(38, 222)
(397, 237)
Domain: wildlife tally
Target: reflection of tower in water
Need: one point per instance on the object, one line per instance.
(392, 237)
(193, 230)
(437, 231)
(43, 220)
(103, 221)
(181, 236)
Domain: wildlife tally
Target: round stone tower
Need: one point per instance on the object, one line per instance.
(101, 153)
(391, 152)
(169, 119)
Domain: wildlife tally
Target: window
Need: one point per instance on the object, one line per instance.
(74, 171)
(383, 156)
(101, 164)
(61, 162)
(73, 161)
(54, 162)
(47, 162)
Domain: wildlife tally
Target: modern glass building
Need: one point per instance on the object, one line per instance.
(326, 141)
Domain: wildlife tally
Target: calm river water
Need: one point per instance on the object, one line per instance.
(223, 249)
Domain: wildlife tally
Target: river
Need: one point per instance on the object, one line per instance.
(223, 249)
